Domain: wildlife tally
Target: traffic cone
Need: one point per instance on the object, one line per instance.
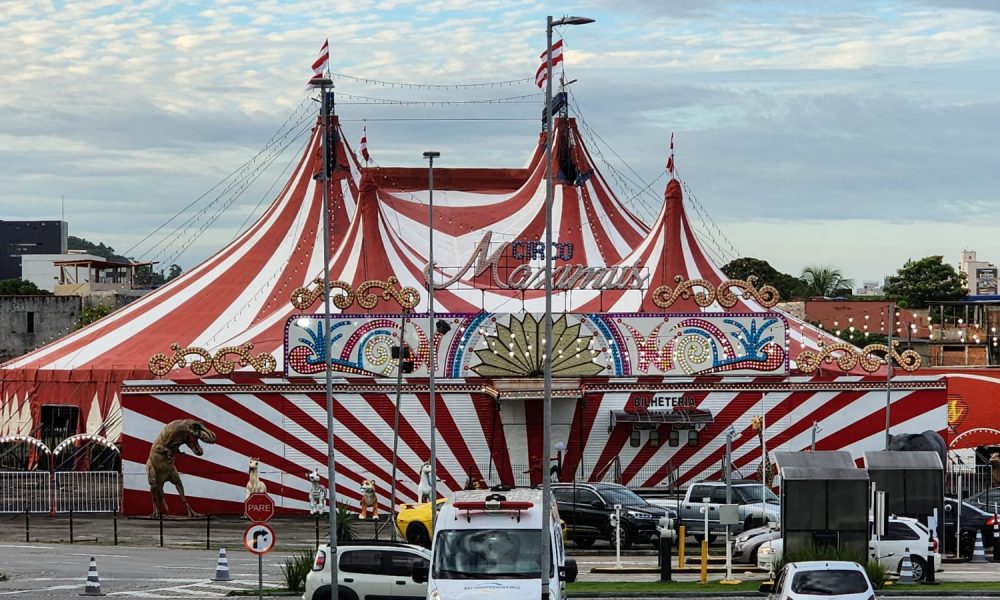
(93, 585)
(906, 570)
(222, 567)
(978, 552)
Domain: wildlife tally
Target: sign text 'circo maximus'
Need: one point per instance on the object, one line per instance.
(525, 276)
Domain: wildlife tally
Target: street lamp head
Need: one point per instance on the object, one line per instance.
(431, 154)
(560, 446)
(572, 21)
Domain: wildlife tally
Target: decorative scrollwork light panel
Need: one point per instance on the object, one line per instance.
(512, 344)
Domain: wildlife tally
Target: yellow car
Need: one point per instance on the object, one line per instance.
(413, 523)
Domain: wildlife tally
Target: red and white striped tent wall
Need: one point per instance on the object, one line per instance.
(283, 423)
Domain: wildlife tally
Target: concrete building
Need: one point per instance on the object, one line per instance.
(20, 238)
(29, 322)
(980, 276)
(42, 270)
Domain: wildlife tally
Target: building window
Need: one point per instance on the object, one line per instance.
(31, 322)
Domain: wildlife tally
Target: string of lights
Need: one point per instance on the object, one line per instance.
(434, 86)
(295, 118)
(523, 99)
(279, 178)
(182, 237)
(700, 207)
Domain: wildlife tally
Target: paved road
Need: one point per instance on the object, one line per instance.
(59, 571)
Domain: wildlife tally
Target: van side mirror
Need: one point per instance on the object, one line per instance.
(766, 588)
(421, 571)
(569, 572)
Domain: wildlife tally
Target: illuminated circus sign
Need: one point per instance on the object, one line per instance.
(499, 345)
(526, 276)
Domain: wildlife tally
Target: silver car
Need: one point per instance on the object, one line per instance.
(747, 543)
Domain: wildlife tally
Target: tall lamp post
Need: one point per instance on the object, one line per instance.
(325, 84)
(547, 332)
(430, 155)
(891, 323)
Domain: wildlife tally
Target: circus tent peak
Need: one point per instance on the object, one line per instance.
(508, 204)
(672, 254)
(242, 291)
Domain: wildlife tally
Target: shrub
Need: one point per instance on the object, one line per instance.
(877, 574)
(295, 569)
(347, 522)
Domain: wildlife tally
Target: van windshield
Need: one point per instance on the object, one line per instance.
(487, 554)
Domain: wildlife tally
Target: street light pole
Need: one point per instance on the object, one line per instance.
(888, 373)
(430, 155)
(546, 567)
(331, 477)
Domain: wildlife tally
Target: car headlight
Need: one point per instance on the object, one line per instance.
(765, 551)
(742, 538)
(636, 514)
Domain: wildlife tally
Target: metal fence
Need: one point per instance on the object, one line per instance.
(61, 492)
(22, 491)
(87, 491)
(969, 478)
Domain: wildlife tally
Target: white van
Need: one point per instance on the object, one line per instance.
(487, 547)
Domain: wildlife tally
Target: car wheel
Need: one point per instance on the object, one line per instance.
(627, 537)
(919, 568)
(344, 593)
(583, 542)
(417, 534)
(753, 555)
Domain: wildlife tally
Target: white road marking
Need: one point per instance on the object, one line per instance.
(28, 547)
(35, 591)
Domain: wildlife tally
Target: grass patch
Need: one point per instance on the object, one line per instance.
(295, 569)
(603, 587)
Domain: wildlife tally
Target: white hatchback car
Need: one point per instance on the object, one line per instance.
(835, 578)
(902, 534)
(369, 570)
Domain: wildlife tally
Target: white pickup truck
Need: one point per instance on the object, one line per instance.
(756, 505)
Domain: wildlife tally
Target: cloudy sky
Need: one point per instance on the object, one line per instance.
(851, 134)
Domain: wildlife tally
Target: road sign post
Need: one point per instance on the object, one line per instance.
(258, 508)
(259, 539)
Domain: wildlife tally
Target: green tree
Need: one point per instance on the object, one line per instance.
(174, 272)
(76, 243)
(92, 313)
(741, 268)
(927, 279)
(825, 281)
(20, 287)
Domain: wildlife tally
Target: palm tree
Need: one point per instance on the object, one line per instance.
(825, 281)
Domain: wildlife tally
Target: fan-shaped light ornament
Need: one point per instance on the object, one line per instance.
(525, 357)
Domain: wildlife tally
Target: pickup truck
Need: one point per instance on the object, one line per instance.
(756, 505)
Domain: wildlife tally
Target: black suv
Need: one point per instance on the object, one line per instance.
(586, 508)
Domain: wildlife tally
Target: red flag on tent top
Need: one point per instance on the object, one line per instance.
(557, 57)
(364, 144)
(670, 158)
(321, 63)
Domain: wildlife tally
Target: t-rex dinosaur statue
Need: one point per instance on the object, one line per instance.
(160, 466)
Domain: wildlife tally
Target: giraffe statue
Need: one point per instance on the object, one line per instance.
(765, 471)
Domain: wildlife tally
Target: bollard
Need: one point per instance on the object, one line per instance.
(208, 532)
(115, 521)
(161, 529)
(704, 561)
(666, 544)
(681, 542)
(27, 527)
(929, 571)
(317, 530)
(71, 525)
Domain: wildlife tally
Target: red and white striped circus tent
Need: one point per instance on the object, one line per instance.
(488, 428)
